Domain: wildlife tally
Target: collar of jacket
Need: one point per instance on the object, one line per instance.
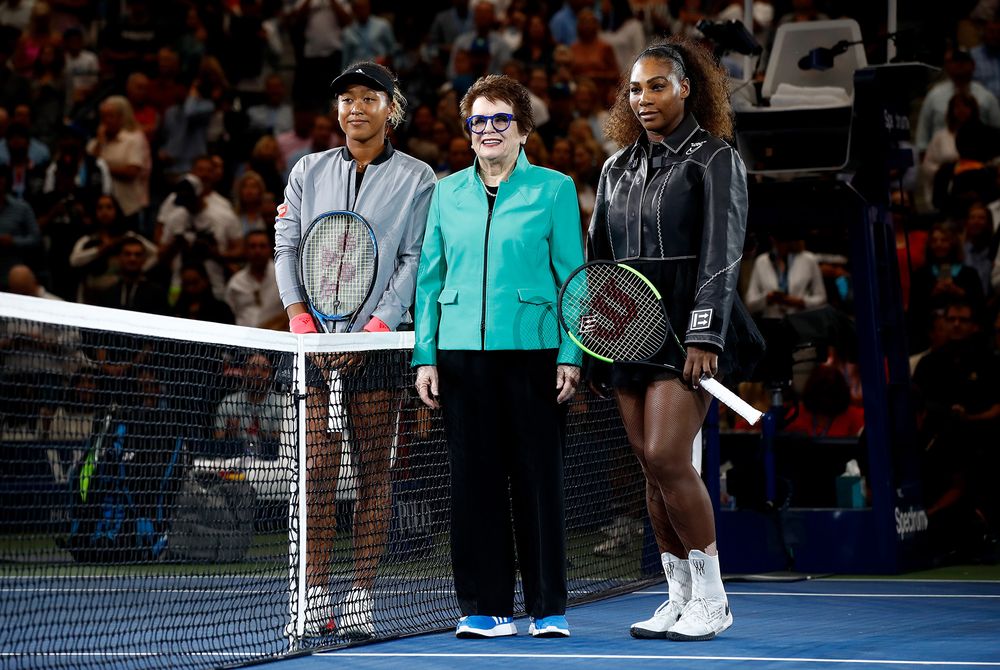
(386, 154)
(672, 143)
(520, 167)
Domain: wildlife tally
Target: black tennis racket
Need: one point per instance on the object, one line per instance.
(338, 262)
(615, 314)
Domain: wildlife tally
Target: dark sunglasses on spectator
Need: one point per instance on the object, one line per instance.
(477, 123)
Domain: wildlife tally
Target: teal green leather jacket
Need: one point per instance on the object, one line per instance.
(490, 282)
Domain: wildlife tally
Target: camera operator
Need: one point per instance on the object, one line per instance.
(199, 226)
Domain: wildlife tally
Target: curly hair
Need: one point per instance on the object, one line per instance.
(500, 87)
(708, 100)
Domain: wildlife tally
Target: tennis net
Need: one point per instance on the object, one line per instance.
(180, 494)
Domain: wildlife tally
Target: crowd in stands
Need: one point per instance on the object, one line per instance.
(144, 148)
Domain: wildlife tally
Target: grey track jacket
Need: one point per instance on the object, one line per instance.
(394, 198)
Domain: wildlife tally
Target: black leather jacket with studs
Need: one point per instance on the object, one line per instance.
(677, 210)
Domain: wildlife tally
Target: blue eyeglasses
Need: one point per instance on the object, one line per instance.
(477, 123)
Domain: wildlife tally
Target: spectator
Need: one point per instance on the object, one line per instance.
(166, 88)
(516, 71)
(82, 68)
(133, 291)
(592, 56)
(447, 25)
(191, 45)
(249, 47)
(688, 16)
(26, 175)
(38, 360)
(196, 300)
(563, 22)
(987, 57)
(459, 157)
(588, 107)
(420, 136)
(536, 44)
(73, 182)
(802, 10)
(622, 30)
(38, 154)
(293, 141)
(485, 48)
(131, 43)
(185, 131)
(368, 38)
(137, 92)
(249, 421)
(316, 29)
(198, 225)
(937, 336)
(252, 293)
(249, 196)
(14, 88)
(959, 67)
(825, 409)
(274, 115)
(941, 280)
(35, 37)
(48, 93)
(96, 255)
(124, 148)
(15, 14)
(785, 280)
(942, 148)
(979, 246)
(265, 159)
(321, 138)
(20, 238)
(960, 387)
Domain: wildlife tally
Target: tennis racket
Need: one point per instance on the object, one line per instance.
(338, 261)
(616, 315)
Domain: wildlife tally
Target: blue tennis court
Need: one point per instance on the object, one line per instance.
(824, 623)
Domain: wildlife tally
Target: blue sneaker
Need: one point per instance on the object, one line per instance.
(477, 625)
(549, 626)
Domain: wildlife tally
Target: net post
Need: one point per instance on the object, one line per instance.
(298, 504)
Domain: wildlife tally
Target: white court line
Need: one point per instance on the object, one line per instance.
(807, 594)
(657, 657)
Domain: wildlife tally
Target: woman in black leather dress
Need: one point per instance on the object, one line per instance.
(672, 203)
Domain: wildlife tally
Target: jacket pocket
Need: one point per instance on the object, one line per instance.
(536, 296)
(448, 296)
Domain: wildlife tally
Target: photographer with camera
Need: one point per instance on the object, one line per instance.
(197, 225)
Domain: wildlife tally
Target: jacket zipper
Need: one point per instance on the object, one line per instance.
(486, 264)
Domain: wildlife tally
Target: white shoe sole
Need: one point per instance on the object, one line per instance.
(500, 630)
(548, 631)
(680, 637)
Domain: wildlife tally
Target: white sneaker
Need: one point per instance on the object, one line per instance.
(319, 613)
(701, 619)
(656, 626)
(357, 615)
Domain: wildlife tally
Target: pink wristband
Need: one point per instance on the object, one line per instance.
(376, 325)
(301, 324)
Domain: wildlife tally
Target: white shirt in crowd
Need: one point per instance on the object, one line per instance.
(217, 219)
(805, 280)
(254, 302)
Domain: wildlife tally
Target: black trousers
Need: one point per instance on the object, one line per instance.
(506, 439)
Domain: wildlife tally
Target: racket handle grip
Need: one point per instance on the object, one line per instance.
(731, 400)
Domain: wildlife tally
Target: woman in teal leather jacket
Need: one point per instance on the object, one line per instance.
(501, 237)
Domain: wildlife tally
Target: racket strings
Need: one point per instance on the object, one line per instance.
(338, 261)
(614, 313)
